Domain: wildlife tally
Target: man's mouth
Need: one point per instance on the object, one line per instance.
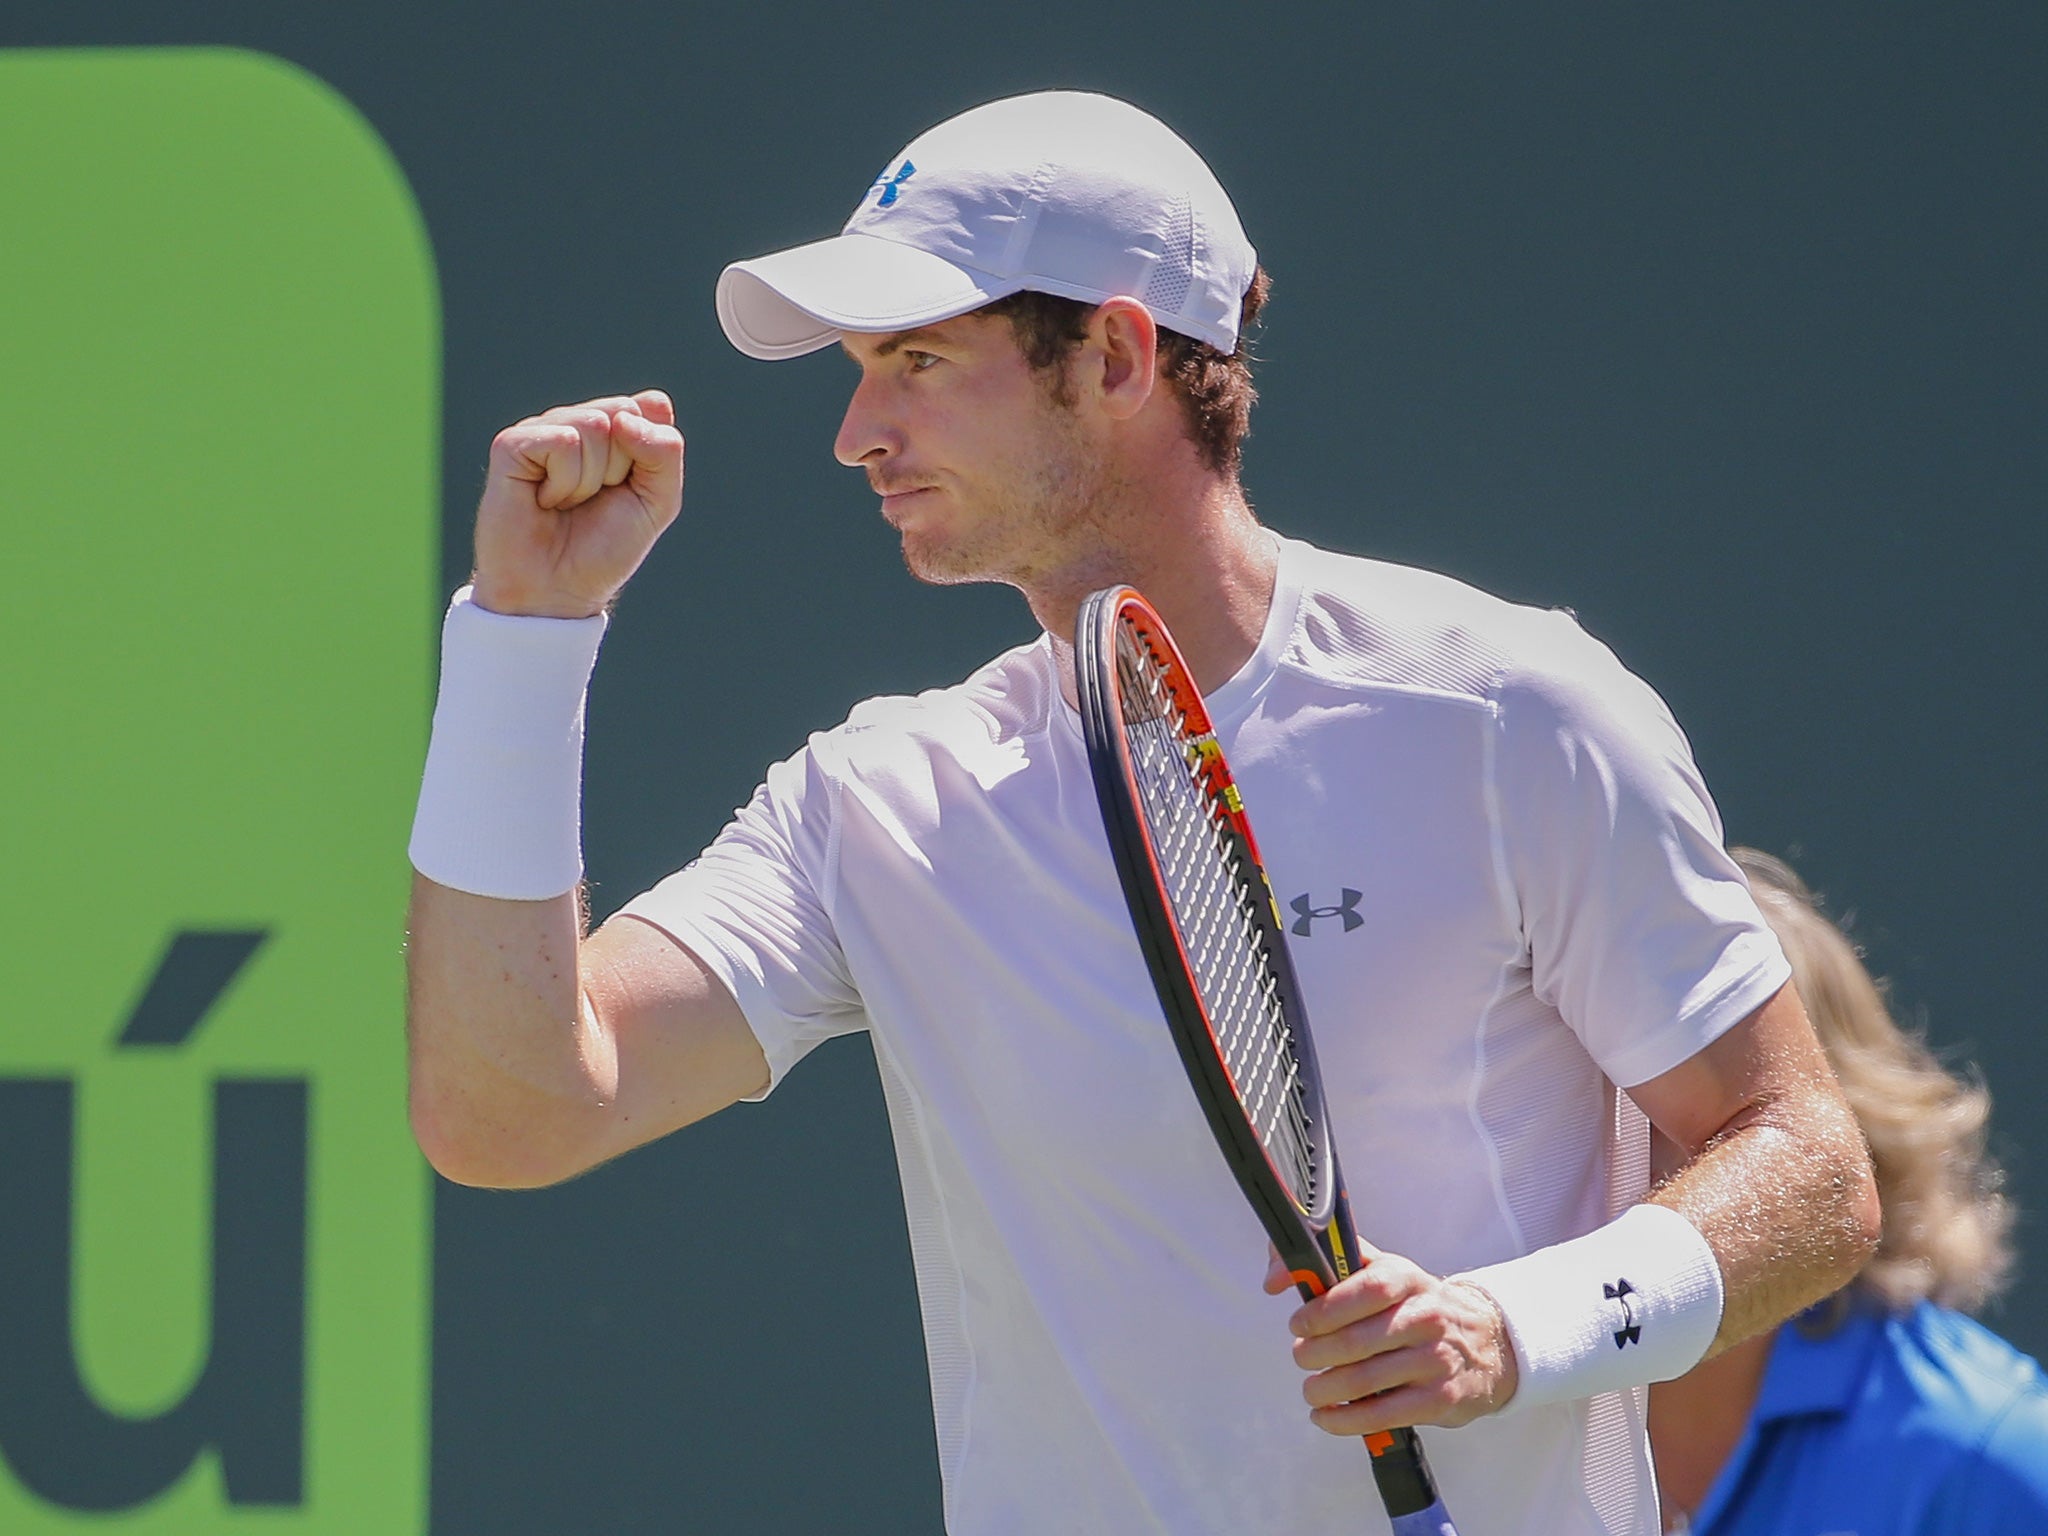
(897, 497)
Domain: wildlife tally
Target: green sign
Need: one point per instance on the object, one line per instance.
(219, 417)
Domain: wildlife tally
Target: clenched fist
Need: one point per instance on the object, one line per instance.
(575, 499)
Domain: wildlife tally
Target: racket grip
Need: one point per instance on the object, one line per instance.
(1407, 1488)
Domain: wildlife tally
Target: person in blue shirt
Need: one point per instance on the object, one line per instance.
(1885, 1409)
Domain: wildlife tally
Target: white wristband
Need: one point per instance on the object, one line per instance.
(1637, 1301)
(501, 800)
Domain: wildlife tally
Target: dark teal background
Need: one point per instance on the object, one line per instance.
(1723, 326)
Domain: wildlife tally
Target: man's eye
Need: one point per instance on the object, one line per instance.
(919, 361)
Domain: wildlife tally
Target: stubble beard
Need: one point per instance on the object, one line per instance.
(1044, 512)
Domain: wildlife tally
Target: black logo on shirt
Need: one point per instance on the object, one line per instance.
(1631, 1331)
(1306, 912)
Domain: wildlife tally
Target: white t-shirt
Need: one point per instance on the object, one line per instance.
(1506, 893)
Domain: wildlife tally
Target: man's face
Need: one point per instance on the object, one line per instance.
(984, 474)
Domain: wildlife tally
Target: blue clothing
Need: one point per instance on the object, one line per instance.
(1922, 1424)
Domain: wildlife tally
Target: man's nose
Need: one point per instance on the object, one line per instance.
(866, 433)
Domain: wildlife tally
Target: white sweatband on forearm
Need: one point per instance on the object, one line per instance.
(1636, 1301)
(501, 800)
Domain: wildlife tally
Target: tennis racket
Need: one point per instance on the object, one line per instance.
(1210, 929)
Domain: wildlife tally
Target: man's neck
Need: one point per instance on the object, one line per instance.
(1205, 563)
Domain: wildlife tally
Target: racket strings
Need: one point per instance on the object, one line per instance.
(1214, 892)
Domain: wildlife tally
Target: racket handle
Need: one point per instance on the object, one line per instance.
(1407, 1488)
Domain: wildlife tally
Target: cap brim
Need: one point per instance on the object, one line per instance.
(799, 300)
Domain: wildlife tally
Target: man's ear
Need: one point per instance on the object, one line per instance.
(1124, 341)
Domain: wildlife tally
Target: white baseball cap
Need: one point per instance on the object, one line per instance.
(1061, 192)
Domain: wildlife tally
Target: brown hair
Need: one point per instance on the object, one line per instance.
(1947, 1228)
(1215, 387)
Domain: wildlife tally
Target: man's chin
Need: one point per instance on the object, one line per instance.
(946, 576)
(939, 564)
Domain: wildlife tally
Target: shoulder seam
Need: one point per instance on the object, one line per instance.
(1470, 700)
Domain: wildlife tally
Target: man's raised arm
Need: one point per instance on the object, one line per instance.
(537, 1051)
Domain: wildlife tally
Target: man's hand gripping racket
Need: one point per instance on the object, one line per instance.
(1210, 930)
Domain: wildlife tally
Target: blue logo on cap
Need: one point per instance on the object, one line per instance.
(890, 184)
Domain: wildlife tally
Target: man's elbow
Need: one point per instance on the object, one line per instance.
(1863, 1212)
(1845, 1215)
(466, 1150)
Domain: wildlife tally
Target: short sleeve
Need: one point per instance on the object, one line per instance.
(755, 907)
(1641, 930)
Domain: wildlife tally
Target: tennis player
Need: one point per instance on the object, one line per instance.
(1515, 925)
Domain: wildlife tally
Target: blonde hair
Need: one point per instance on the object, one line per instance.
(1947, 1228)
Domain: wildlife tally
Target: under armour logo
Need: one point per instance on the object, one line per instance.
(1306, 912)
(890, 185)
(1631, 1331)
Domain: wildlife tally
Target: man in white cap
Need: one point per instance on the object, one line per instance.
(1517, 929)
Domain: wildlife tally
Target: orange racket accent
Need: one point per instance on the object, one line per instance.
(1380, 1441)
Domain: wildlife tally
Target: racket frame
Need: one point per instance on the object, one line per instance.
(1315, 1251)
(1317, 1242)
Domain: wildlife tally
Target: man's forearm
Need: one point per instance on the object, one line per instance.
(1770, 1207)
(1786, 1200)
(502, 1048)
